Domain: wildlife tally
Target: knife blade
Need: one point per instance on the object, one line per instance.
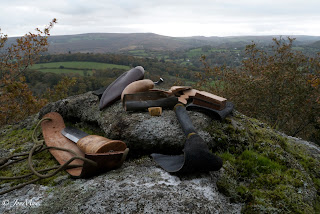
(73, 134)
(92, 143)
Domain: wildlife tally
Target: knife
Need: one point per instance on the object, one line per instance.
(92, 143)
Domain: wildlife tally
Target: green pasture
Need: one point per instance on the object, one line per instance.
(61, 71)
(184, 63)
(194, 52)
(75, 67)
(298, 48)
(78, 65)
(198, 52)
(139, 53)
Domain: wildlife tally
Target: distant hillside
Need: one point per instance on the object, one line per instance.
(113, 42)
(124, 42)
(315, 45)
(121, 42)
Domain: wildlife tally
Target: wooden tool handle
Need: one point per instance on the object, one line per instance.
(98, 144)
(184, 119)
(137, 86)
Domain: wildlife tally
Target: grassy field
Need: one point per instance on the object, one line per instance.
(199, 51)
(141, 53)
(75, 67)
(194, 52)
(59, 71)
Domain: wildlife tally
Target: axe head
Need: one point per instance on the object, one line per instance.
(196, 158)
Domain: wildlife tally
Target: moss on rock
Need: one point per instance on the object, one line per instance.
(264, 169)
(14, 140)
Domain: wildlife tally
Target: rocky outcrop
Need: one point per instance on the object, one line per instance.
(264, 171)
(142, 133)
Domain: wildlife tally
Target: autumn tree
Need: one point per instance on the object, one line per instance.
(61, 90)
(279, 86)
(16, 99)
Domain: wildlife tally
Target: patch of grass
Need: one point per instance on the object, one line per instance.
(139, 53)
(226, 156)
(298, 48)
(197, 52)
(184, 63)
(252, 164)
(194, 52)
(317, 205)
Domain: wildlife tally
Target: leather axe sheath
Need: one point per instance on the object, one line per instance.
(196, 155)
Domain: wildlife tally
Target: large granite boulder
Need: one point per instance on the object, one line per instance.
(137, 187)
(264, 171)
(142, 133)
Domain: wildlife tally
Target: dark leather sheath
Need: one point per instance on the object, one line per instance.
(114, 90)
(196, 157)
(216, 114)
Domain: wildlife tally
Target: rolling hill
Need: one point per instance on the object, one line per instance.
(315, 45)
(124, 42)
(113, 42)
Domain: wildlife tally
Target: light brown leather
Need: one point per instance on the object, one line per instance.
(138, 86)
(51, 133)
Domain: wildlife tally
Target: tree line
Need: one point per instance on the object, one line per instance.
(279, 86)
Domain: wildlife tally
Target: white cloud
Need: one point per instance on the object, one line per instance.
(166, 17)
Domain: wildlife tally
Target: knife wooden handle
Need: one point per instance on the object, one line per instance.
(98, 144)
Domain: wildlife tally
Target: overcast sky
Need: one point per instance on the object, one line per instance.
(165, 17)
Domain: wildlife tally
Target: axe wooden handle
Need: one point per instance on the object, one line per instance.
(98, 144)
(184, 119)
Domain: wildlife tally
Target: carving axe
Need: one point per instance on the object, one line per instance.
(196, 157)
